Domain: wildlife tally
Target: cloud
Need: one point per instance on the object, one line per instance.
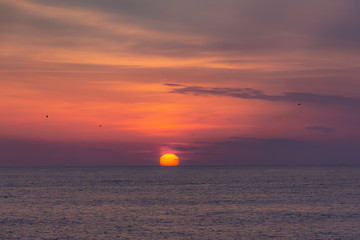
(268, 151)
(228, 29)
(181, 147)
(21, 152)
(250, 93)
(173, 85)
(231, 151)
(321, 129)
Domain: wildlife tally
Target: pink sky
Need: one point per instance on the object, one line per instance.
(217, 83)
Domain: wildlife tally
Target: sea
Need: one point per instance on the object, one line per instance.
(308, 202)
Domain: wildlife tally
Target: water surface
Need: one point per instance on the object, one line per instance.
(180, 203)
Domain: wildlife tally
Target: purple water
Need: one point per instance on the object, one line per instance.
(180, 203)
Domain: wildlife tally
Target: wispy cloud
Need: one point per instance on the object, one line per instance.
(250, 93)
(182, 147)
(173, 85)
(174, 34)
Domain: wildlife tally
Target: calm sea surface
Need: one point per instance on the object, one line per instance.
(180, 203)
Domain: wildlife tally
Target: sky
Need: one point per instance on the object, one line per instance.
(231, 82)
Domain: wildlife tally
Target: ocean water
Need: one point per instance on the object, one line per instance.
(180, 203)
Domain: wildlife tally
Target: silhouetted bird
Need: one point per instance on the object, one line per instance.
(299, 104)
(100, 125)
(47, 116)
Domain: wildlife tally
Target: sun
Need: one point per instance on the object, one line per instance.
(169, 159)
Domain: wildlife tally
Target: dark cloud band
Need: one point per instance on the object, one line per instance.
(250, 93)
(321, 129)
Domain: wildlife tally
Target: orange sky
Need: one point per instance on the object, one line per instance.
(199, 79)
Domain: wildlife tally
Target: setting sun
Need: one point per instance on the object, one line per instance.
(169, 160)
